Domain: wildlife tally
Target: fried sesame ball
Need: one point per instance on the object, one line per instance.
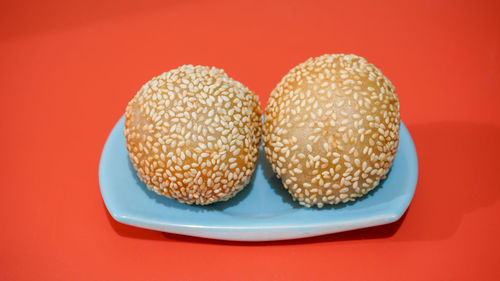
(331, 129)
(193, 134)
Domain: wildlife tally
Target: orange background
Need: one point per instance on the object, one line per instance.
(68, 68)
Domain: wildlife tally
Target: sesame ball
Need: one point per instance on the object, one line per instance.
(193, 134)
(331, 129)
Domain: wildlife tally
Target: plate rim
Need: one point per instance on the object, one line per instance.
(255, 232)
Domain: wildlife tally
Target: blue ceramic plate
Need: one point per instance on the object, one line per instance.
(262, 211)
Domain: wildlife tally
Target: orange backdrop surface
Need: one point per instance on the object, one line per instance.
(68, 69)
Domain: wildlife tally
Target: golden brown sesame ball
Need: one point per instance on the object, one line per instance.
(331, 129)
(193, 134)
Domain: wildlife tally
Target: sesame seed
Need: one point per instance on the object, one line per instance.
(300, 120)
(162, 144)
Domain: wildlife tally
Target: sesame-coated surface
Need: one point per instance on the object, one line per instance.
(193, 134)
(331, 129)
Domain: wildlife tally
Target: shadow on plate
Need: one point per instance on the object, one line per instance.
(274, 182)
(263, 167)
(220, 206)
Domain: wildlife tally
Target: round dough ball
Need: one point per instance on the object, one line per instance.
(193, 134)
(331, 129)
